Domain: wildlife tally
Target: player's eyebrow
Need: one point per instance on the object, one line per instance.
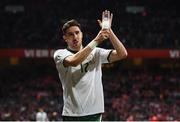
(71, 33)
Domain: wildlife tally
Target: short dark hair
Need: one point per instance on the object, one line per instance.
(70, 23)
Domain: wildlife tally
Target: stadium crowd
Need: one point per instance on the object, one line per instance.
(38, 24)
(132, 94)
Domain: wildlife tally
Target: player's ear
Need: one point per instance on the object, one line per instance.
(64, 37)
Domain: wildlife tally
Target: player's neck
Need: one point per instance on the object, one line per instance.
(75, 49)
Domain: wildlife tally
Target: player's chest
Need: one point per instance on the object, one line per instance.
(87, 65)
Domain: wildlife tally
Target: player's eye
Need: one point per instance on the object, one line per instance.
(70, 34)
(77, 32)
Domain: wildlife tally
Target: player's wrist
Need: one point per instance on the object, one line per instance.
(93, 44)
(111, 33)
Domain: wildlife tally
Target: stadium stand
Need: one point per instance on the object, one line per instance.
(145, 92)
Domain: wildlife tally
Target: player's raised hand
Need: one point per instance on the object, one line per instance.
(106, 21)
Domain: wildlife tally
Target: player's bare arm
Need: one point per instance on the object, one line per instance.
(81, 55)
(119, 51)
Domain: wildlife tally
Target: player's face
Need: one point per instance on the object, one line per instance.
(73, 37)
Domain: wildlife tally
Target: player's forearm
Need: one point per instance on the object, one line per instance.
(80, 56)
(118, 46)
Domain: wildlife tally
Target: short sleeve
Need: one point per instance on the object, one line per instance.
(60, 55)
(104, 54)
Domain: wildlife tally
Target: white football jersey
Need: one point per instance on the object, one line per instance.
(82, 85)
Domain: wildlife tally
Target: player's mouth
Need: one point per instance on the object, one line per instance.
(75, 42)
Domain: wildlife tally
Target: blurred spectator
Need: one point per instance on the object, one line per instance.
(41, 115)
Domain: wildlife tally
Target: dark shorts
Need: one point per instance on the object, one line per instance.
(94, 117)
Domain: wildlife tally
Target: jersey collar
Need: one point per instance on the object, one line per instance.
(72, 51)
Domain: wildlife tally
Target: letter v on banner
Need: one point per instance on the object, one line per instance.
(29, 53)
(174, 53)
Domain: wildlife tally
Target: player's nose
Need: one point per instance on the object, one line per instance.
(75, 35)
